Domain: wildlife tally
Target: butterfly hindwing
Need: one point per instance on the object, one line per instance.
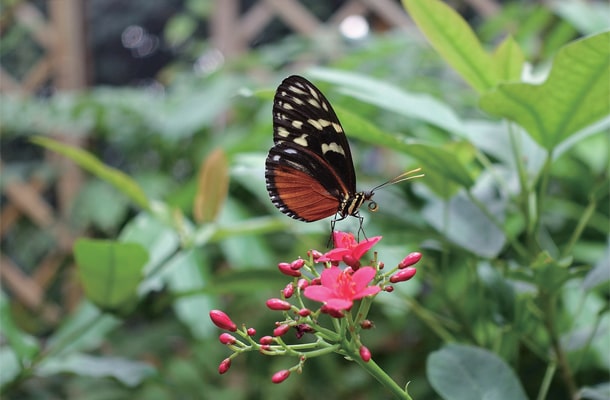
(299, 184)
(303, 116)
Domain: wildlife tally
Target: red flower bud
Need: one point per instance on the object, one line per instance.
(288, 291)
(266, 340)
(280, 376)
(251, 331)
(403, 275)
(315, 254)
(302, 284)
(278, 304)
(332, 312)
(281, 330)
(287, 270)
(389, 288)
(409, 260)
(222, 320)
(349, 260)
(265, 347)
(380, 265)
(226, 338)
(297, 264)
(224, 366)
(365, 354)
(304, 312)
(315, 281)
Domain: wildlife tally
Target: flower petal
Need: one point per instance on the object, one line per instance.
(362, 277)
(364, 246)
(317, 293)
(339, 304)
(368, 291)
(334, 255)
(329, 277)
(343, 240)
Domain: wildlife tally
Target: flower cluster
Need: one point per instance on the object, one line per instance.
(336, 288)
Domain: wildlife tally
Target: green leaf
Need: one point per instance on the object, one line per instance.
(454, 40)
(87, 161)
(575, 95)
(130, 373)
(464, 224)
(83, 330)
(179, 29)
(110, 271)
(459, 372)
(185, 274)
(508, 60)
(422, 107)
(435, 158)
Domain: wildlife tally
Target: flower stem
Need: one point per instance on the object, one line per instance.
(372, 368)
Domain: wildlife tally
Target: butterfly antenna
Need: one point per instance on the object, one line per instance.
(405, 176)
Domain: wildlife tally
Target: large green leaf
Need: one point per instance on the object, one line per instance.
(87, 161)
(508, 60)
(575, 95)
(455, 41)
(110, 271)
(184, 273)
(434, 157)
(459, 372)
(422, 107)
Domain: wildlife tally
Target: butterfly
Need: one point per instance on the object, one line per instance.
(309, 171)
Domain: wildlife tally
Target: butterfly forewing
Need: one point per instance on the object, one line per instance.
(302, 115)
(309, 170)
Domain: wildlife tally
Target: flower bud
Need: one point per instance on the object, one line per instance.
(297, 264)
(331, 311)
(222, 320)
(287, 270)
(349, 260)
(265, 347)
(389, 288)
(288, 291)
(302, 284)
(278, 304)
(281, 330)
(380, 265)
(403, 275)
(251, 331)
(266, 340)
(365, 354)
(224, 366)
(226, 338)
(280, 376)
(315, 254)
(315, 281)
(304, 312)
(409, 260)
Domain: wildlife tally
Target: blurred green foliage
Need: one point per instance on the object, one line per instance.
(513, 222)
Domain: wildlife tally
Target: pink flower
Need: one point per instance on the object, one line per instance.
(346, 245)
(339, 289)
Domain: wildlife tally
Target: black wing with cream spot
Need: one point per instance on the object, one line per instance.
(303, 117)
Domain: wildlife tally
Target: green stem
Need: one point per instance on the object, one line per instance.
(525, 189)
(546, 381)
(582, 223)
(548, 301)
(374, 370)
